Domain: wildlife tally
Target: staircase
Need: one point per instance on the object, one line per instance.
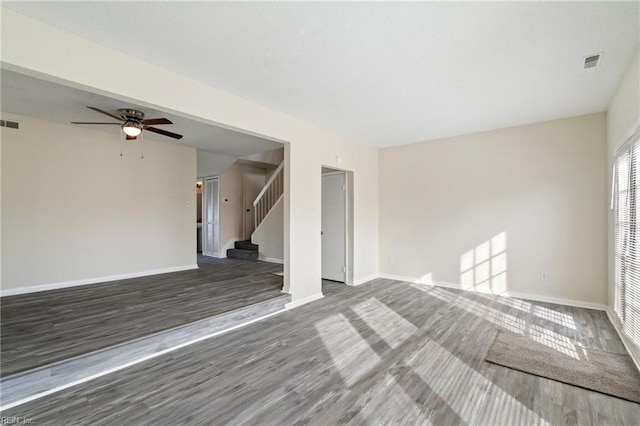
(244, 250)
(269, 196)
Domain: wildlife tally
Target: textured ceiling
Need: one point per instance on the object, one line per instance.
(32, 97)
(385, 73)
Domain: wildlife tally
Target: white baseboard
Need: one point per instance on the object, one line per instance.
(399, 278)
(303, 301)
(634, 352)
(363, 280)
(557, 301)
(526, 296)
(98, 280)
(271, 259)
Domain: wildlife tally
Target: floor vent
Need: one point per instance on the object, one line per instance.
(592, 61)
(9, 124)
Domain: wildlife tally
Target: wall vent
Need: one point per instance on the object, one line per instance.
(9, 124)
(592, 61)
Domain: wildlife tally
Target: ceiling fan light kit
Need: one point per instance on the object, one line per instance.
(131, 129)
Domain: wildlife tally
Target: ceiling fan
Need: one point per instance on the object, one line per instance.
(133, 123)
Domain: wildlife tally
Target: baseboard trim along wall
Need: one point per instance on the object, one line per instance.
(633, 352)
(303, 301)
(271, 259)
(526, 296)
(89, 281)
(363, 280)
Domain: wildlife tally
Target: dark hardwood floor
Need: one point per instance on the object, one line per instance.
(41, 328)
(382, 353)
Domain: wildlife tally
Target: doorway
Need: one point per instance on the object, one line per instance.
(211, 217)
(199, 210)
(335, 225)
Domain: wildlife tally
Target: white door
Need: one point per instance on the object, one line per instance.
(211, 222)
(253, 183)
(333, 227)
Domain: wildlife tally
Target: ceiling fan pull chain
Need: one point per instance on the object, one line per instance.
(142, 146)
(121, 140)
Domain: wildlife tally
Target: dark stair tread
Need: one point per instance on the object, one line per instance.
(242, 254)
(246, 245)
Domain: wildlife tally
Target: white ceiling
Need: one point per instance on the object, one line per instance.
(385, 73)
(37, 98)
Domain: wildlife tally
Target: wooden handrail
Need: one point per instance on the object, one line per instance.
(269, 182)
(269, 195)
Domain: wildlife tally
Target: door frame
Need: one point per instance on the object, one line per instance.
(348, 220)
(205, 202)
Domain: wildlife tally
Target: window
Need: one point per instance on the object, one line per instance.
(626, 195)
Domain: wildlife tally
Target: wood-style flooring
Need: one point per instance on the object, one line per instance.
(42, 328)
(382, 353)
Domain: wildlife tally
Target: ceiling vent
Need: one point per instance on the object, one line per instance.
(592, 61)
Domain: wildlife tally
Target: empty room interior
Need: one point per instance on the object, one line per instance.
(286, 213)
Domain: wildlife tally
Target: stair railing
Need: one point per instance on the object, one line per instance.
(269, 196)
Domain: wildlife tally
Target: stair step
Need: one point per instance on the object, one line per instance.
(44, 380)
(242, 254)
(246, 245)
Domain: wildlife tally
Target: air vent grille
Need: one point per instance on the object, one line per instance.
(592, 61)
(9, 124)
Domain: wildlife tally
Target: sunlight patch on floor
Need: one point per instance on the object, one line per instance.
(429, 289)
(351, 354)
(559, 318)
(382, 403)
(554, 340)
(549, 338)
(393, 328)
(518, 304)
(497, 317)
(470, 394)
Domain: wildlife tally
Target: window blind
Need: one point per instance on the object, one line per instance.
(626, 195)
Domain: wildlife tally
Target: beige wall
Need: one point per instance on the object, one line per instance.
(74, 210)
(231, 214)
(269, 235)
(31, 47)
(273, 157)
(447, 206)
(624, 108)
(211, 164)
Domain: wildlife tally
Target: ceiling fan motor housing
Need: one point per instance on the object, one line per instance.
(131, 114)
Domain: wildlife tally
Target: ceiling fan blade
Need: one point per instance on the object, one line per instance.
(106, 113)
(164, 132)
(131, 138)
(91, 122)
(153, 121)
